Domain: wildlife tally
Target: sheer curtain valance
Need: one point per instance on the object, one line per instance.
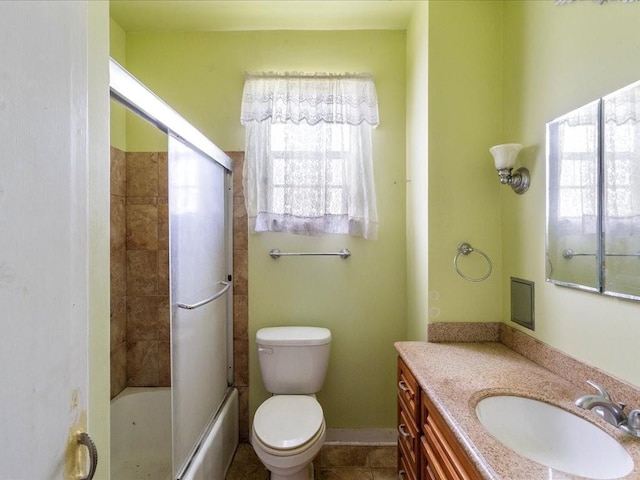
(295, 98)
(308, 163)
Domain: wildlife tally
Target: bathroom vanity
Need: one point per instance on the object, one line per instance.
(439, 434)
(426, 446)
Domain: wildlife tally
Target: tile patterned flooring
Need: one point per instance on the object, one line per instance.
(335, 462)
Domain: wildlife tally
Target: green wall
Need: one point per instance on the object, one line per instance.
(362, 299)
(417, 173)
(465, 119)
(557, 58)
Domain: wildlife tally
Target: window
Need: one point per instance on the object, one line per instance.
(308, 162)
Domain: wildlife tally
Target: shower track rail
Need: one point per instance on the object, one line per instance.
(344, 254)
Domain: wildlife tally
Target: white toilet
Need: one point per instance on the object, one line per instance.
(288, 428)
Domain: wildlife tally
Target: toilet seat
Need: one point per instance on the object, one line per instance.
(285, 424)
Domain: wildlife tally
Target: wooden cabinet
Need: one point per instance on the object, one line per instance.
(427, 449)
(409, 431)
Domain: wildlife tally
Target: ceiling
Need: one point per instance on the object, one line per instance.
(232, 15)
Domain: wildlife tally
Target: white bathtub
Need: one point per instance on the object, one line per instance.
(141, 434)
(141, 437)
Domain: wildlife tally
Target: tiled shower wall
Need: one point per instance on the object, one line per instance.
(140, 348)
(240, 295)
(118, 272)
(140, 341)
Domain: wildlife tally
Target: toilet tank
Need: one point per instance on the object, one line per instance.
(293, 360)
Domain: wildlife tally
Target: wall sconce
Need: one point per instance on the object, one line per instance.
(504, 157)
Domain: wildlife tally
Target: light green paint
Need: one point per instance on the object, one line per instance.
(252, 15)
(362, 300)
(558, 58)
(496, 72)
(465, 119)
(417, 173)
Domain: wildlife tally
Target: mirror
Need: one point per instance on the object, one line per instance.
(621, 192)
(573, 235)
(593, 196)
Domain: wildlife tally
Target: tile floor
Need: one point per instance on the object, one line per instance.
(335, 462)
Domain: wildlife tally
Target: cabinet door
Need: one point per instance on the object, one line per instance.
(409, 390)
(445, 458)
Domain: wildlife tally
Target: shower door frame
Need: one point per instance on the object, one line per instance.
(135, 96)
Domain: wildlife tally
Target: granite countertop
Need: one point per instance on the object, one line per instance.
(457, 375)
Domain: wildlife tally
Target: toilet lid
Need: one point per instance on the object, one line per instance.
(287, 421)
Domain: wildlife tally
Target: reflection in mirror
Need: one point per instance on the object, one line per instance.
(573, 236)
(621, 184)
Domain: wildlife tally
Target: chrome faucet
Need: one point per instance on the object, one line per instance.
(612, 412)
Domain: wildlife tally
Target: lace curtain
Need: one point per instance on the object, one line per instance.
(308, 163)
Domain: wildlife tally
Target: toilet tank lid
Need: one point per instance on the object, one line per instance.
(293, 336)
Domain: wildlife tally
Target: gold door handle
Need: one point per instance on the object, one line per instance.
(83, 438)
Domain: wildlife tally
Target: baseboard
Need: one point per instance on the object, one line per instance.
(361, 436)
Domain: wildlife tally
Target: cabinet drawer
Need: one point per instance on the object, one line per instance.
(407, 470)
(408, 435)
(409, 391)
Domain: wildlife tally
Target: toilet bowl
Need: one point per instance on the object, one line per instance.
(288, 432)
(289, 428)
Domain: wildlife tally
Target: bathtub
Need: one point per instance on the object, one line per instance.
(141, 437)
(141, 434)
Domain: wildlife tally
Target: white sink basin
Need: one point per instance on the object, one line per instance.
(554, 437)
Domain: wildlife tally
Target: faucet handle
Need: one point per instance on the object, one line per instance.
(601, 391)
(634, 419)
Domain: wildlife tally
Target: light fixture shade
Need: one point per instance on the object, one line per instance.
(505, 155)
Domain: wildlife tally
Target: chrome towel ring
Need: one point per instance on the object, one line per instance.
(465, 249)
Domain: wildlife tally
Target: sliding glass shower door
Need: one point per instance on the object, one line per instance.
(200, 294)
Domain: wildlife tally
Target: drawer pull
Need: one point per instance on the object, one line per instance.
(402, 385)
(402, 474)
(402, 431)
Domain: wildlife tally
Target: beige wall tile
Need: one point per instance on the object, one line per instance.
(241, 363)
(118, 321)
(142, 227)
(163, 226)
(118, 222)
(163, 272)
(164, 322)
(142, 174)
(118, 172)
(118, 369)
(142, 200)
(240, 317)
(142, 364)
(240, 272)
(142, 318)
(142, 272)
(118, 272)
(163, 174)
(164, 364)
(240, 225)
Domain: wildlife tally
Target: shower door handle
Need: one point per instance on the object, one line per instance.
(226, 286)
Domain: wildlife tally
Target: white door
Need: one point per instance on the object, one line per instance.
(44, 239)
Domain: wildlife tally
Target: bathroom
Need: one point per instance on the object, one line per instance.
(472, 75)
